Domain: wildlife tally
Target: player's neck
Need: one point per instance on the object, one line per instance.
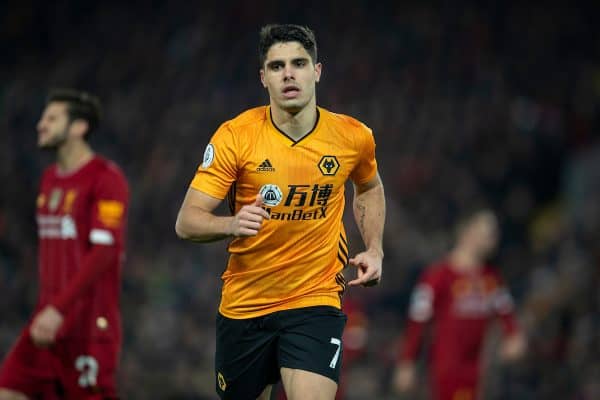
(73, 155)
(464, 260)
(297, 125)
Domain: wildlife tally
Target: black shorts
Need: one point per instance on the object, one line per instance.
(250, 352)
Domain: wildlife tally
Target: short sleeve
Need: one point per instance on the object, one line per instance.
(218, 169)
(109, 209)
(366, 168)
(424, 296)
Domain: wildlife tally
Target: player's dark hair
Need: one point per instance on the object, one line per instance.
(80, 105)
(272, 34)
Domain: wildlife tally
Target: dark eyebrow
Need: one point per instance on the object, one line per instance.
(273, 63)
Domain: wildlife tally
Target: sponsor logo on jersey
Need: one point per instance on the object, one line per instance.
(56, 227)
(329, 165)
(301, 195)
(271, 195)
(298, 214)
(265, 166)
(209, 156)
(479, 298)
(299, 198)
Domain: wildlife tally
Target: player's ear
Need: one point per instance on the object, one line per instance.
(79, 127)
(318, 70)
(262, 77)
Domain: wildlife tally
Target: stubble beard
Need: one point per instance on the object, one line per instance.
(55, 142)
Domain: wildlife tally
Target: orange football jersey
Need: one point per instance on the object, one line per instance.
(297, 256)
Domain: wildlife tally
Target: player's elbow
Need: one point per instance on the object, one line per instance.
(180, 229)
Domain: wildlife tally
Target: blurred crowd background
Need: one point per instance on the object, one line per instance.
(470, 102)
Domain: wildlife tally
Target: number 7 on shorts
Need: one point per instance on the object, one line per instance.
(336, 356)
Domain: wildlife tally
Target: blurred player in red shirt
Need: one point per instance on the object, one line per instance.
(70, 349)
(460, 296)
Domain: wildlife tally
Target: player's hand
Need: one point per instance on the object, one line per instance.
(248, 220)
(368, 266)
(404, 378)
(513, 347)
(45, 326)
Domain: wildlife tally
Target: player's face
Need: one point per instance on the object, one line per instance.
(483, 233)
(290, 76)
(53, 126)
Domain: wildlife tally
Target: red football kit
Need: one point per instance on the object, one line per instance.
(461, 307)
(81, 218)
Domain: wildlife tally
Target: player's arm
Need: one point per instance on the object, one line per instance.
(369, 214)
(514, 346)
(514, 343)
(405, 374)
(48, 321)
(420, 313)
(197, 222)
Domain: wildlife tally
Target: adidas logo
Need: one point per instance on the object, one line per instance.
(265, 166)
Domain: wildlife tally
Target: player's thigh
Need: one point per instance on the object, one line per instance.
(266, 394)
(27, 369)
(88, 369)
(311, 340)
(245, 358)
(304, 385)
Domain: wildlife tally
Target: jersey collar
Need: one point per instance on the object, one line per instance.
(285, 135)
